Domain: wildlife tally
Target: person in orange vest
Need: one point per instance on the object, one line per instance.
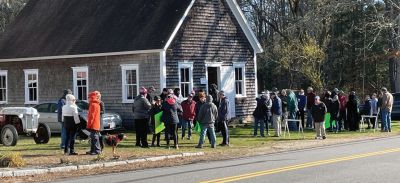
(93, 122)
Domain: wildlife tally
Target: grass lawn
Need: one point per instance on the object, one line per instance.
(242, 144)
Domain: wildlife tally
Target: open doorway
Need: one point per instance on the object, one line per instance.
(212, 77)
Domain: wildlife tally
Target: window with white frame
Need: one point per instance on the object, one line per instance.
(185, 78)
(3, 87)
(81, 82)
(31, 86)
(130, 82)
(240, 79)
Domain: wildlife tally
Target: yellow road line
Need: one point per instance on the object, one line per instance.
(300, 166)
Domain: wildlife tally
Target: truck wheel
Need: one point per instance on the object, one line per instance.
(9, 135)
(42, 135)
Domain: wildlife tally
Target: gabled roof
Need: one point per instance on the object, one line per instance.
(75, 28)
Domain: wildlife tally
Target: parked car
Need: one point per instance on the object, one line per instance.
(396, 106)
(48, 116)
(19, 120)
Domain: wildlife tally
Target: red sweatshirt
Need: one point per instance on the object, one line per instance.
(189, 110)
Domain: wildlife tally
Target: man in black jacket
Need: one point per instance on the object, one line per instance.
(318, 112)
(223, 111)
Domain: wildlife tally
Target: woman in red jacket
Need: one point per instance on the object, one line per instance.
(93, 122)
(189, 113)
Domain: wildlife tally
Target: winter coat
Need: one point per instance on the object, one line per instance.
(261, 108)
(292, 102)
(276, 106)
(141, 107)
(367, 108)
(302, 101)
(352, 113)
(60, 104)
(70, 115)
(170, 111)
(318, 112)
(93, 122)
(223, 109)
(208, 113)
(284, 100)
(334, 109)
(198, 107)
(310, 100)
(342, 101)
(189, 110)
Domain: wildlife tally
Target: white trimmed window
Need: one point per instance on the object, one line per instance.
(185, 78)
(3, 87)
(81, 82)
(130, 82)
(240, 89)
(31, 86)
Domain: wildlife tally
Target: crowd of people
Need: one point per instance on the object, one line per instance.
(209, 111)
(311, 109)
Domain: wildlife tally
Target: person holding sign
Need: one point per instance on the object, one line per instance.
(156, 108)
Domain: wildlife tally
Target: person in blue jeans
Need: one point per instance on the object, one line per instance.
(386, 106)
(206, 117)
(61, 102)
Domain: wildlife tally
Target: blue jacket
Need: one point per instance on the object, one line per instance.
(302, 101)
(276, 106)
(60, 104)
(223, 109)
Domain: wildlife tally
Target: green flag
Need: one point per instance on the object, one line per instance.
(197, 127)
(327, 120)
(159, 126)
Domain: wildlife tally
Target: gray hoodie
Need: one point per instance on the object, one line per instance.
(208, 113)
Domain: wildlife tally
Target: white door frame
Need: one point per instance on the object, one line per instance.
(218, 66)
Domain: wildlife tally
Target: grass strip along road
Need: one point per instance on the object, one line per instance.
(300, 166)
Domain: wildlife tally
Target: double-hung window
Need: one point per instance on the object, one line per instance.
(81, 82)
(130, 82)
(240, 79)
(3, 87)
(31, 86)
(185, 78)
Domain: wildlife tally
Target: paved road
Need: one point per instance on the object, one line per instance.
(367, 161)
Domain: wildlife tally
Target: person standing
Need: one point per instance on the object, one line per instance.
(150, 94)
(386, 107)
(292, 107)
(61, 102)
(310, 103)
(276, 111)
(93, 123)
(206, 117)
(284, 99)
(259, 115)
(352, 112)
(141, 108)
(374, 107)
(268, 118)
(318, 112)
(164, 94)
(223, 111)
(71, 120)
(302, 101)
(155, 109)
(342, 122)
(367, 109)
(189, 113)
(334, 111)
(170, 117)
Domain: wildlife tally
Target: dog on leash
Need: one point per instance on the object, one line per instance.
(113, 141)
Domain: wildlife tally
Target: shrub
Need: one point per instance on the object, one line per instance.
(12, 160)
